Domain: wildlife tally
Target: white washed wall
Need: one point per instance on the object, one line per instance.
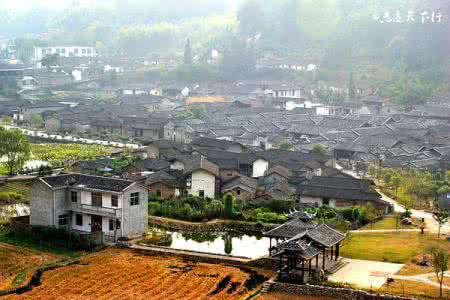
(202, 180)
(260, 166)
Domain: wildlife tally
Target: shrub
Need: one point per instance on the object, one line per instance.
(270, 217)
(281, 206)
(406, 214)
(10, 198)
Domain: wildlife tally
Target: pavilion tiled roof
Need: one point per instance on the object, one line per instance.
(305, 249)
(290, 229)
(325, 235)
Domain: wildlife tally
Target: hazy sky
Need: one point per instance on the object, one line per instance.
(25, 4)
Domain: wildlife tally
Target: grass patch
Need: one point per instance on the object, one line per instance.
(395, 247)
(388, 223)
(414, 289)
(19, 279)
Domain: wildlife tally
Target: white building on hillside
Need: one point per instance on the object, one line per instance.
(62, 51)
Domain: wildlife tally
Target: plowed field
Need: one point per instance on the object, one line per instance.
(16, 263)
(122, 274)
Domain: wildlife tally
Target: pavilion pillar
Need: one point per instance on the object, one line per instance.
(303, 271)
(337, 251)
(281, 264)
(317, 262)
(324, 253)
(270, 244)
(309, 268)
(332, 252)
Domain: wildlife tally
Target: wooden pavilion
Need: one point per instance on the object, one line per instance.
(306, 250)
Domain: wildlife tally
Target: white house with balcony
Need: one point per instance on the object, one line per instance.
(115, 208)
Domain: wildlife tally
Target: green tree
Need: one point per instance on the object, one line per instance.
(6, 120)
(36, 120)
(396, 182)
(441, 216)
(351, 88)
(187, 53)
(440, 265)
(285, 145)
(320, 149)
(229, 201)
(15, 147)
(443, 190)
(411, 90)
(387, 178)
(50, 60)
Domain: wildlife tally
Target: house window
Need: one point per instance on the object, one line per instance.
(201, 194)
(189, 181)
(158, 193)
(448, 196)
(117, 224)
(74, 196)
(83, 51)
(111, 225)
(238, 192)
(229, 174)
(78, 220)
(114, 201)
(96, 199)
(134, 199)
(63, 220)
(326, 201)
(76, 50)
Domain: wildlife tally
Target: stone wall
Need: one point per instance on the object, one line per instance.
(324, 291)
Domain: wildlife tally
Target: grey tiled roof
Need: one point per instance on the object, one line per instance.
(88, 182)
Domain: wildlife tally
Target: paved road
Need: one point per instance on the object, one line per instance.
(424, 278)
(365, 273)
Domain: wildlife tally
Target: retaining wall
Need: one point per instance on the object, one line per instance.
(332, 292)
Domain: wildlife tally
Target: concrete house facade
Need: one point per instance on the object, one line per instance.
(90, 204)
(201, 177)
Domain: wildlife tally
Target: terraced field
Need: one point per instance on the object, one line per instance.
(122, 274)
(19, 187)
(17, 263)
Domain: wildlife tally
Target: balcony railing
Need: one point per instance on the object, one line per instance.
(98, 210)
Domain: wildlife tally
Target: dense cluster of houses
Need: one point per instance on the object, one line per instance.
(210, 168)
(206, 168)
(418, 138)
